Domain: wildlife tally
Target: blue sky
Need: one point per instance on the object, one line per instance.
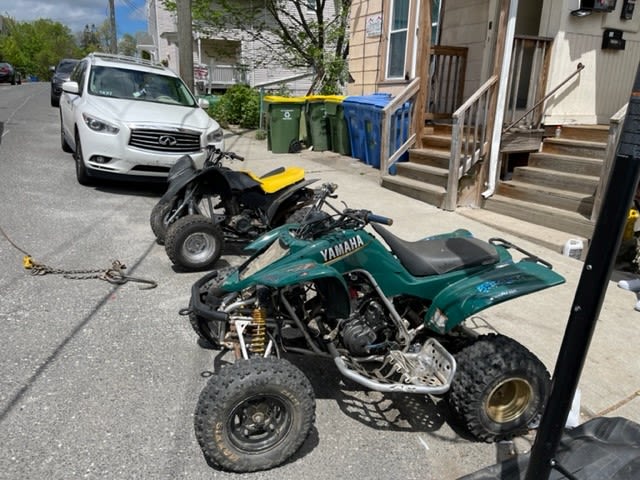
(75, 14)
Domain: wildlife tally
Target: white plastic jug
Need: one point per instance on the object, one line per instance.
(573, 248)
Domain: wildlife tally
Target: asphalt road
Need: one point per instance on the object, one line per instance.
(101, 381)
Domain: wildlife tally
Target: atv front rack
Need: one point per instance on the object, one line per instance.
(430, 371)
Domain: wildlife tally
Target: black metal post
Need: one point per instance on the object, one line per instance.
(590, 291)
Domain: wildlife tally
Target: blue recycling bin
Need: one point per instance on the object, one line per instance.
(363, 115)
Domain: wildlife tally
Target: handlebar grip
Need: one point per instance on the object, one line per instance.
(372, 217)
(235, 156)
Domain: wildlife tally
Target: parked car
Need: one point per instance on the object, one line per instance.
(9, 74)
(61, 74)
(129, 118)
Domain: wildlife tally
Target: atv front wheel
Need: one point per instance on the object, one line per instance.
(254, 414)
(160, 213)
(499, 388)
(194, 242)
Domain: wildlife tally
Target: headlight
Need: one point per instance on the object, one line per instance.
(98, 125)
(215, 136)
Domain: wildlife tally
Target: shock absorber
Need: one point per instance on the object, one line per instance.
(258, 330)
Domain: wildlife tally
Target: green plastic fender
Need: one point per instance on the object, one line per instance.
(472, 294)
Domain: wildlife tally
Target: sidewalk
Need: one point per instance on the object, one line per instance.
(610, 381)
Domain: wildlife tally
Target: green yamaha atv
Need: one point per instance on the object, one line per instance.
(390, 316)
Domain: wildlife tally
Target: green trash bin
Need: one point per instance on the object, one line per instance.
(338, 130)
(283, 118)
(317, 123)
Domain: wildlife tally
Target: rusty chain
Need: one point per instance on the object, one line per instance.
(115, 274)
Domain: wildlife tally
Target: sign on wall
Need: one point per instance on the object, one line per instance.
(374, 25)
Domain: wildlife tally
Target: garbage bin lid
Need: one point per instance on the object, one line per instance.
(279, 99)
(334, 98)
(376, 100)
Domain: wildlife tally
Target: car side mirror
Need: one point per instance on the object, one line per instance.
(204, 103)
(70, 87)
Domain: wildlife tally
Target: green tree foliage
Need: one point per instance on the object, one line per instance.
(127, 45)
(296, 33)
(33, 47)
(240, 105)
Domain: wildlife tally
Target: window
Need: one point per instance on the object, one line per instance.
(398, 30)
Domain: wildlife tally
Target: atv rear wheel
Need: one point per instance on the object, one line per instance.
(160, 213)
(194, 242)
(254, 414)
(499, 389)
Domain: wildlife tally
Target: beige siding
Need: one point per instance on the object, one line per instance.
(465, 24)
(364, 52)
(605, 83)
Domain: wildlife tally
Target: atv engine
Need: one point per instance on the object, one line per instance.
(367, 330)
(245, 223)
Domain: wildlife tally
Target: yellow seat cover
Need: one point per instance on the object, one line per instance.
(273, 183)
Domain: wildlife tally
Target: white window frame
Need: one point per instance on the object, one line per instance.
(392, 33)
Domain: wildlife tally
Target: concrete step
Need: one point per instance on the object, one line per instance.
(555, 218)
(431, 194)
(423, 173)
(430, 156)
(553, 197)
(513, 227)
(566, 163)
(569, 146)
(561, 180)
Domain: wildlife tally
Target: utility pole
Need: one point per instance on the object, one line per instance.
(112, 20)
(185, 41)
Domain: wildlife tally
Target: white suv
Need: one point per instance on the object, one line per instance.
(125, 117)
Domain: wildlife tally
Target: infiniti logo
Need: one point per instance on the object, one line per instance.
(167, 141)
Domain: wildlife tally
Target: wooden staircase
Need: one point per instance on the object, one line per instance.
(556, 188)
(424, 176)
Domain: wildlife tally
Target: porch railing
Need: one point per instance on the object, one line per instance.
(527, 80)
(615, 129)
(397, 123)
(447, 75)
(469, 137)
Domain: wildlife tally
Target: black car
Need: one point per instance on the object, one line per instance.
(9, 74)
(61, 74)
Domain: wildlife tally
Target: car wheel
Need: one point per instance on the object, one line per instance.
(13, 80)
(55, 102)
(19, 80)
(81, 169)
(63, 141)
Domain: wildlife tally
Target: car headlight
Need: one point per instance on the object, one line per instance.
(215, 136)
(98, 125)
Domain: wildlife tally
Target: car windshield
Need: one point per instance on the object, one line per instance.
(65, 67)
(136, 85)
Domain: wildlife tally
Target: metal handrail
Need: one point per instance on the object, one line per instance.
(544, 99)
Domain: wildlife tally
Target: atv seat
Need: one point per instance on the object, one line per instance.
(439, 255)
(278, 179)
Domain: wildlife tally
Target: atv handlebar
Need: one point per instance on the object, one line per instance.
(215, 156)
(372, 217)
